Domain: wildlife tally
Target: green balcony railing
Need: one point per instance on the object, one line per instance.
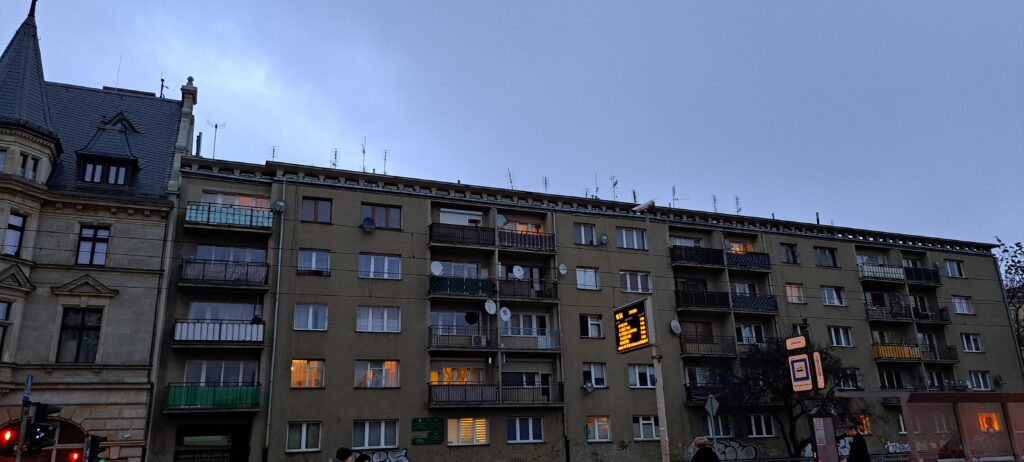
(232, 216)
(197, 396)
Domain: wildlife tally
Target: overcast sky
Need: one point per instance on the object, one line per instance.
(903, 116)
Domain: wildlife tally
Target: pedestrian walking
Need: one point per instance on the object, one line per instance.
(704, 452)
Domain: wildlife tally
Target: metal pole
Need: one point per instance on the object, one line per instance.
(659, 384)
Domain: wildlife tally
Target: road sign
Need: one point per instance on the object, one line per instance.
(795, 343)
(631, 328)
(818, 371)
(800, 373)
(711, 405)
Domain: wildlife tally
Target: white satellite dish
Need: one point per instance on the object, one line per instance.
(436, 268)
(506, 313)
(604, 239)
(491, 307)
(562, 269)
(518, 272)
(676, 328)
(501, 220)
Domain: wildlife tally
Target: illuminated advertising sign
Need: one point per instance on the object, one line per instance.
(631, 329)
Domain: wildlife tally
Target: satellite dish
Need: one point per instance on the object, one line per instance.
(518, 272)
(277, 206)
(506, 313)
(589, 387)
(501, 220)
(472, 318)
(676, 328)
(491, 307)
(562, 269)
(604, 239)
(368, 224)
(436, 268)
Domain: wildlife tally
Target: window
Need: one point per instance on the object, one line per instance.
(685, 241)
(891, 379)
(378, 319)
(380, 266)
(635, 281)
(641, 376)
(760, 426)
(221, 372)
(979, 380)
(972, 343)
(832, 296)
(102, 173)
(954, 268)
(467, 431)
(5, 316)
(307, 373)
(376, 374)
(525, 430)
(794, 292)
(303, 437)
(825, 256)
(645, 427)
(801, 329)
(13, 235)
(236, 200)
(79, 335)
(840, 336)
(594, 374)
(3, 160)
(229, 253)
(789, 254)
(632, 238)
(586, 278)
(456, 375)
(372, 434)
(743, 288)
(313, 261)
(901, 427)
(29, 167)
(864, 424)
(316, 210)
(598, 428)
(92, 246)
(384, 216)
(738, 247)
(583, 233)
(590, 326)
(717, 427)
(201, 310)
(962, 305)
(849, 379)
(749, 334)
(460, 217)
(310, 317)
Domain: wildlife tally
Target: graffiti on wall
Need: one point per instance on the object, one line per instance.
(842, 445)
(728, 449)
(896, 447)
(387, 455)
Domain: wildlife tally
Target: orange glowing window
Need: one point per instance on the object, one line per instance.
(864, 422)
(989, 422)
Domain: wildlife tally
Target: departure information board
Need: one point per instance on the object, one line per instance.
(631, 327)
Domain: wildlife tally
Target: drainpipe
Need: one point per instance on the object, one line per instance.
(561, 330)
(277, 305)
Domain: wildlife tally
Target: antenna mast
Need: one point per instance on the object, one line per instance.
(714, 202)
(634, 197)
(615, 187)
(216, 127)
(597, 188)
(385, 161)
(674, 197)
(511, 184)
(364, 154)
(273, 152)
(545, 185)
(334, 158)
(738, 208)
(162, 85)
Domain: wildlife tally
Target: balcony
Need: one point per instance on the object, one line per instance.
(922, 276)
(699, 256)
(223, 273)
(462, 337)
(745, 346)
(748, 260)
(895, 312)
(753, 303)
(698, 393)
(708, 345)
(737, 391)
(897, 352)
(220, 216)
(931, 315)
(523, 338)
(184, 397)
(537, 242)
(699, 300)
(884, 273)
(514, 288)
(470, 287)
(226, 332)
(939, 353)
(441, 233)
(471, 395)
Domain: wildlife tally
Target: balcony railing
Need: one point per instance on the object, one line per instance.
(231, 216)
(526, 240)
(699, 392)
(894, 312)
(757, 303)
(696, 255)
(461, 234)
(885, 272)
(474, 393)
(528, 288)
(931, 314)
(526, 394)
(922, 275)
(527, 338)
(702, 299)
(708, 345)
(218, 331)
(492, 394)
(735, 391)
(202, 455)
(227, 273)
(444, 285)
(470, 337)
(938, 353)
(748, 345)
(748, 260)
(896, 352)
(198, 396)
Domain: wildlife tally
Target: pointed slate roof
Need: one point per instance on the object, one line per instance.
(111, 140)
(22, 91)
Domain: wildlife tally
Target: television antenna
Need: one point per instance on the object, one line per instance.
(385, 161)
(334, 158)
(511, 183)
(273, 152)
(634, 196)
(738, 207)
(545, 185)
(162, 85)
(615, 186)
(364, 154)
(714, 202)
(597, 187)
(217, 126)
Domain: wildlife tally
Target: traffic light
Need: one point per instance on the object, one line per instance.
(93, 448)
(75, 456)
(41, 433)
(8, 441)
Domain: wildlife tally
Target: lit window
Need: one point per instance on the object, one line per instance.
(794, 293)
(303, 437)
(641, 376)
(632, 238)
(525, 430)
(376, 374)
(378, 319)
(594, 374)
(586, 278)
(310, 317)
(645, 427)
(380, 266)
(598, 428)
(864, 424)
(374, 434)
(307, 373)
(988, 422)
(738, 247)
(467, 431)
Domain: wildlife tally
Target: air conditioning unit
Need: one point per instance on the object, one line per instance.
(479, 340)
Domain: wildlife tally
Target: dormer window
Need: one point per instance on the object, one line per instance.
(29, 167)
(104, 173)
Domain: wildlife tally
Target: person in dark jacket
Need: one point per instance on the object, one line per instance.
(704, 452)
(858, 447)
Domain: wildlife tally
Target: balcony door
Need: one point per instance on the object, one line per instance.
(458, 322)
(891, 379)
(909, 262)
(456, 269)
(461, 217)
(215, 311)
(749, 334)
(876, 299)
(685, 241)
(936, 377)
(692, 284)
(743, 288)
(221, 372)
(702, 331)
(464, 375)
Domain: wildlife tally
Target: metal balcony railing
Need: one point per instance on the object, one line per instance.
(939, 353)
(696, 255)
(922, 275)
(708, 345)
(529, 394)
(702, 299)
(527, 288)
(526, 240)
(202, 455)
(753, 302)
(894, 312)
(699, 392)
(238, 395)
(469, 337)
(229, 273)
(232, 216)
(749, 260)
(896, 351)
(885, 272)
(218, 331)
(526, 338)
(461, 234)
(748, 345)
(444, 285)
(490, 394)
(931, 314)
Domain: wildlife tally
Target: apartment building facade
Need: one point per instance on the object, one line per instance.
(416, 319)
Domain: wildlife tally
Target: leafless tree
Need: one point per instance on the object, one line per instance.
(1011, 268)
